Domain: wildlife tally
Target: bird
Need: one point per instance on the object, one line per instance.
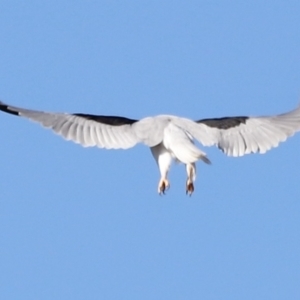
(170, 138)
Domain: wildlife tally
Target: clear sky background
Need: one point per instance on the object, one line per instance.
(84, 223)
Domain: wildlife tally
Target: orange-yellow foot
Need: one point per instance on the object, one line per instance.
(163, 185)
(189, 187)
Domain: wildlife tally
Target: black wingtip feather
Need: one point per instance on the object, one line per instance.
(6, 109)
(205, 159)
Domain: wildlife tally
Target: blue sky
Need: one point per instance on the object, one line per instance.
(79, 223)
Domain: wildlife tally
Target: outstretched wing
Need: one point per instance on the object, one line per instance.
(88, 130)
(237, 136)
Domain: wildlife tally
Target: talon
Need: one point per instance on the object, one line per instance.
(189, 188)
(163, 186)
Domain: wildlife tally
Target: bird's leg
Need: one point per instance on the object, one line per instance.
(191, 177)
(163, 185)
(164, 162)
(164, 159)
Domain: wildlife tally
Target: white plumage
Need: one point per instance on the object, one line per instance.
(170, 137)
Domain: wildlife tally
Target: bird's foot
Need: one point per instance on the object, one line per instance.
(189, 187)
(163, 185)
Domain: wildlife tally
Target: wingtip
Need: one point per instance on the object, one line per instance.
(4, 107)
(205, 159)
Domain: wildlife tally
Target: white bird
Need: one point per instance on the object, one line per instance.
(170, 137)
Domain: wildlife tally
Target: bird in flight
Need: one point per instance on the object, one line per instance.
(170, 137)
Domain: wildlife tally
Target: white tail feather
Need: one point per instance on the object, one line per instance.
(180, 143)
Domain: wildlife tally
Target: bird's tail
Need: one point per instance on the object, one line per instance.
(181, 144)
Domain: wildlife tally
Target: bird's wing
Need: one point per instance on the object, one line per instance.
(88, 130)
(237, 136)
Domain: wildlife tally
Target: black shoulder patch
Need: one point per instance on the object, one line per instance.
(108, 120)
(6, 109)
(224, 123)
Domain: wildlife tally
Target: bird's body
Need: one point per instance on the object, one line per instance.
(170, 137)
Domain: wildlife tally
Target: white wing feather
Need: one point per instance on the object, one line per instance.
(257, 134)
(88, 133)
